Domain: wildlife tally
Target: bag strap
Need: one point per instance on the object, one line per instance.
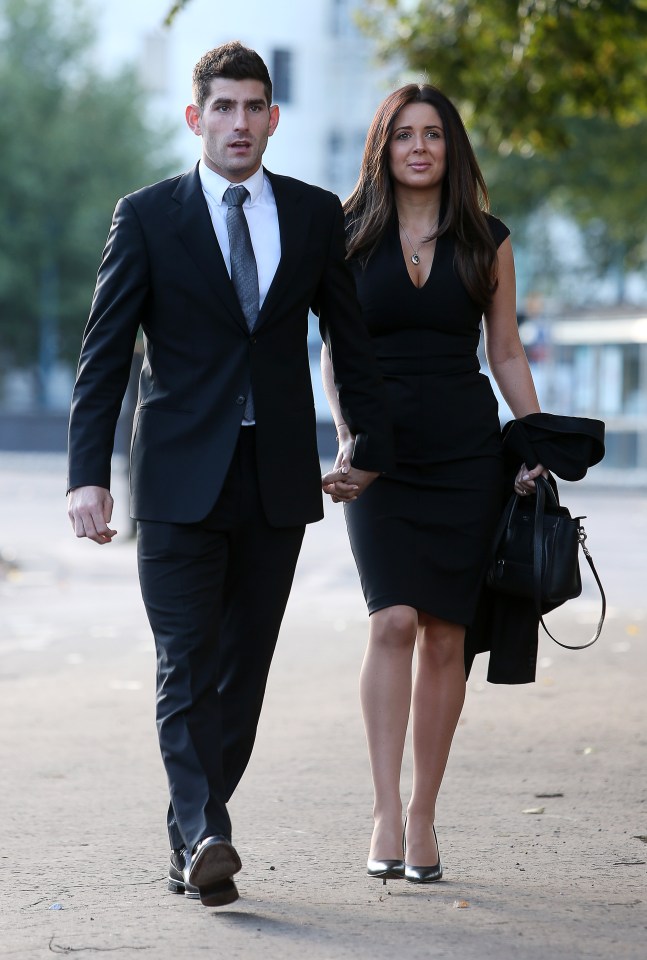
(581, 536)
(540, 489)
(504, 520)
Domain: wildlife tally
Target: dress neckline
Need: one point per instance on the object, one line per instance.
(403, 258)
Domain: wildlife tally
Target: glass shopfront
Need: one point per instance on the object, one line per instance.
(596, 368)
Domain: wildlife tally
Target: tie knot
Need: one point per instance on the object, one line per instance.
(235, 196)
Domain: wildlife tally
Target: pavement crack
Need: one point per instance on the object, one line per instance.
(62, 948)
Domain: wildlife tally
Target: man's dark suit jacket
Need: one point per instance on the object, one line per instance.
(162, 269)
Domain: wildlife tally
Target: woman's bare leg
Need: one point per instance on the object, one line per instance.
(438, 697)
(385, 693)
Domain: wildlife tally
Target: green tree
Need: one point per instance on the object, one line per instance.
(521, 70)
(72, 142)
(597, 180)
(174, 9)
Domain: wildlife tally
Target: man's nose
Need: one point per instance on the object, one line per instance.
(240, 119)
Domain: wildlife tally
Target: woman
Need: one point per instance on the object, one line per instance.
(429, 264)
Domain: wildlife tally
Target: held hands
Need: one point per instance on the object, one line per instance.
(525, 480)
(345, 483)
(90, 510)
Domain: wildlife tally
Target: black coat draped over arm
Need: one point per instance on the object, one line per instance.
(507, 626)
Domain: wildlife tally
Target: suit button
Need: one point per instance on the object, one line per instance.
(252, 339)
(240, 401)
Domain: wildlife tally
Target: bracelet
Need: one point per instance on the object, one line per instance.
(337, 426)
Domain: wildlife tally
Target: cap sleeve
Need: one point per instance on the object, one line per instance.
(498, 229)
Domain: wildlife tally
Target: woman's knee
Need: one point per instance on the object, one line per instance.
(394, 627)
(441, 641)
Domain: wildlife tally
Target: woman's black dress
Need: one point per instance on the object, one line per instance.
(421, 535)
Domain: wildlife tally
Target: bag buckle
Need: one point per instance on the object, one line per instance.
(582, 538)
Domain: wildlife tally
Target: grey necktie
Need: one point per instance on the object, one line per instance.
(244, 275)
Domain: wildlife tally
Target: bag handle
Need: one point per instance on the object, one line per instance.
(540, 490)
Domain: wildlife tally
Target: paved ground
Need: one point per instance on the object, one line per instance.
(83, 793)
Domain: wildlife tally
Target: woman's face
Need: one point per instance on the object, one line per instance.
(418, 150)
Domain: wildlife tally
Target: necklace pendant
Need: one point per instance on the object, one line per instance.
(415, 258)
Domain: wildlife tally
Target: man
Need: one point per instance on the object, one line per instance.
(224, 465)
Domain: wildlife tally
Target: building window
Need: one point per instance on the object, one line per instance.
(282, 66)
(342, 23)
(335, 160)
(153, 62)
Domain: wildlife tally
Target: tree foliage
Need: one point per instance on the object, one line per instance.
(73, 141)
(597, 180)
(173, 11)
(521, 70)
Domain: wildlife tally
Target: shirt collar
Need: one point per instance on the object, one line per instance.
(214, 185)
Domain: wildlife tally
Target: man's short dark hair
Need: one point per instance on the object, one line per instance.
(231, 61)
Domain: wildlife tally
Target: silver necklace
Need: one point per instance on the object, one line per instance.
(415, 258)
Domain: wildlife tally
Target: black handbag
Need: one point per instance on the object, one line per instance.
(536, 555)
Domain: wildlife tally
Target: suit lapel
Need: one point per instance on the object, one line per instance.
(294, 220)
(190, 214)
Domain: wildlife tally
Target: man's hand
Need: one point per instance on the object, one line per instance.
(90, 511)
(347, 483)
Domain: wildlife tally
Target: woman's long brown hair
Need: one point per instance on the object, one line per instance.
(464, 201)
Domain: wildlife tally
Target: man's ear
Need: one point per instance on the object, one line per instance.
(193, 117)
(274, 119)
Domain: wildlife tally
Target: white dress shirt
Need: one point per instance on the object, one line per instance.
(263, 221)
